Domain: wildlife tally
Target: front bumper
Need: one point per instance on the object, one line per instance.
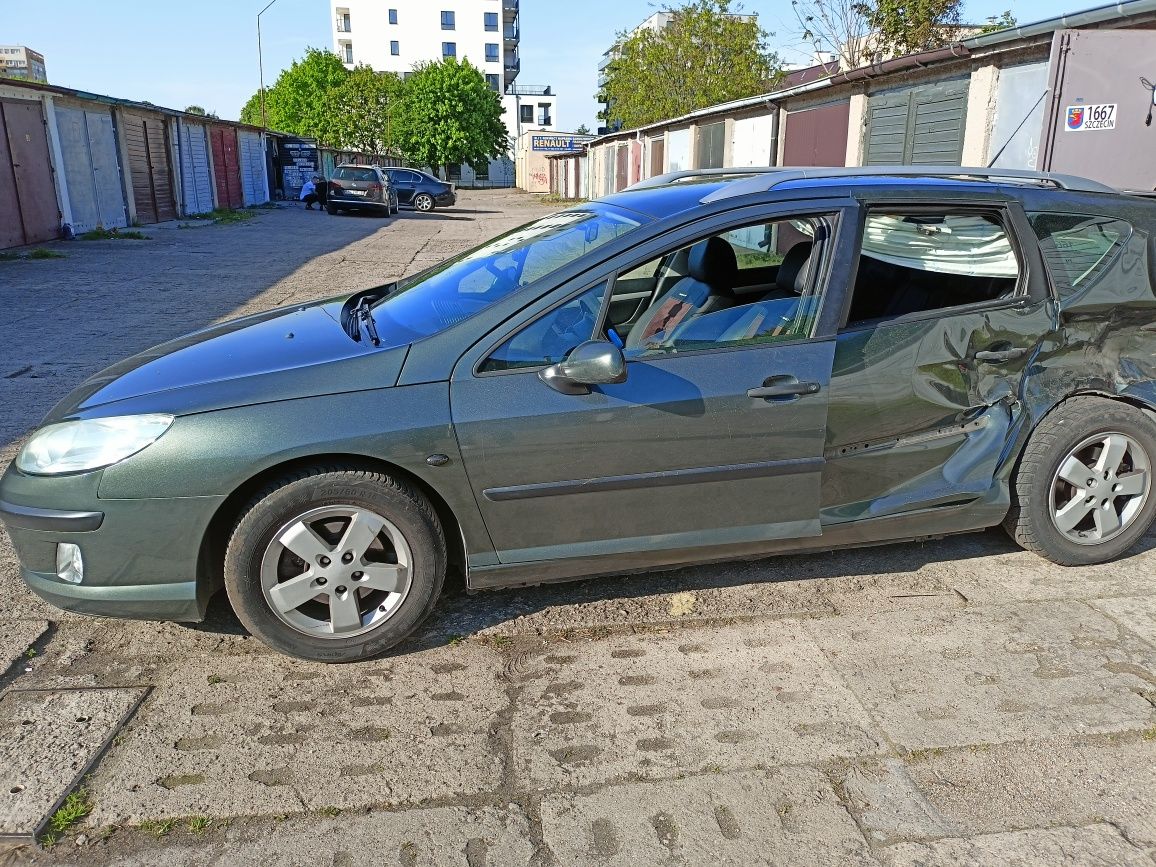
(142, 558)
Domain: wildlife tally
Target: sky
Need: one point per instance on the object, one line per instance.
(205, 52)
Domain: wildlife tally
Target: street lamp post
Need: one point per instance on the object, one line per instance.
(261, 65)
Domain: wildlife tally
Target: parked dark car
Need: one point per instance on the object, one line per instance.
(422, 191)
(361, 188)
(715, 366)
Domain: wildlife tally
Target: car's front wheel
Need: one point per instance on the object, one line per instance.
(1082, 493)
(335, 564)
(423, 202)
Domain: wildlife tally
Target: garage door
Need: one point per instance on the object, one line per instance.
(254, 179)
(91, 168)
(918, 127)
(28, 209)
(196, 177)
(817, 136)
(146, 139)
(226, 166)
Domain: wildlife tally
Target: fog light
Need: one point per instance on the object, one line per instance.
(69, 563)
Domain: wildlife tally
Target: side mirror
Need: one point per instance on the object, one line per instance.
(595, 362)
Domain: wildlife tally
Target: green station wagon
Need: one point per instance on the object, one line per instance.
(713, 365)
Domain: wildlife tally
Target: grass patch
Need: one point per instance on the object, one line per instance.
(102, 234)
(10, 257)
(157, 827)
(44, 253)
(330, 811)
(222, 216)
(75, 807)
(198, 824)
(553, 199)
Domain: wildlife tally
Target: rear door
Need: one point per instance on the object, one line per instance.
(406, 185)
(715, 439)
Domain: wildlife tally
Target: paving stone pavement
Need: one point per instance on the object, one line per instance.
(953, 702)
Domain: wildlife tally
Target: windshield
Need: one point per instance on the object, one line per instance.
(434, 300)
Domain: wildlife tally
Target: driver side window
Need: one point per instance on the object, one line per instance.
(549, 338)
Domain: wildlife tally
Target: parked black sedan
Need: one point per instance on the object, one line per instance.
(718, 367)
(422, 191)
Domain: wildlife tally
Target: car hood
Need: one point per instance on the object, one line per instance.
(281, 354)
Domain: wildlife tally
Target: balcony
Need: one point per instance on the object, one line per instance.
(607, 58)
(513, 66)
(511, 34)
(343, 26)
(528, 90)
(510, 9)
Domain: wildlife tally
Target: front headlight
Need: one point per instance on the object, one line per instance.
(89, 444)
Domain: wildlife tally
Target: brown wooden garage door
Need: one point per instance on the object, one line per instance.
(147, 141)
(28, 209)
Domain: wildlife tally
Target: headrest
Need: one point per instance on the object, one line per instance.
(713, 262)
(792, 275)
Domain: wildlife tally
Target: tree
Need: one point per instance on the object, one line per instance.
(583, 130)
(196, 109)
(1002, 22)
(838, 27)
(299, 101)
(450, 115)
(364, 106)
(706, 55)
(909, 26)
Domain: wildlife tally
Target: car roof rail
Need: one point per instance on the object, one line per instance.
(769, 178)
(687, 175)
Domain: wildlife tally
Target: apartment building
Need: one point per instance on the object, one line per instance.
(394, 35)
(19, 61)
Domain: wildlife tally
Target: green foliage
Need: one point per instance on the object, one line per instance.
(75, 807)
(709, 54)
(157, 827)
(364, 107)
(909, 26)
(102, 234)
(299, 100)
(583, 130)
(44, 253)
(224, 215)
(450, 115)
(1003, 22)
(196, 109)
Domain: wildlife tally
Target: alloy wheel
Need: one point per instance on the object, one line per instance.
(1100, 488)
(423, 203)
(336, 571)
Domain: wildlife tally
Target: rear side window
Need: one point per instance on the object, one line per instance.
(352, 173)
(1078, 248)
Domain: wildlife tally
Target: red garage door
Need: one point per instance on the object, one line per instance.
(28, 210)
(817, 136)
(226, 167)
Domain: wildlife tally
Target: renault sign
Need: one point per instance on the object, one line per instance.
(556, 143)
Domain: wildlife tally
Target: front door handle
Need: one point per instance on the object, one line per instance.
(782, 386)
(998, 356)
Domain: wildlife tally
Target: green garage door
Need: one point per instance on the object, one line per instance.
(923, 126)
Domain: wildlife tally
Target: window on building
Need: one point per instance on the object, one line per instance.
(343, 22)
(544, 118)
(494, 81)
(527, 113)
(447, 21)
(392, 16)
(492, 22)
(710, 145)
(394, 47)
(1078, 248)
(347, 51)
(491, 52)
(924, 262)
(449, 49)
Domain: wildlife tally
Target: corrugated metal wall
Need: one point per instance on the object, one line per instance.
(146, 140)
(91, 168)
(196, 173)
(254, 178)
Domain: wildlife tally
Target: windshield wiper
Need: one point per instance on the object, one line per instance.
(363, 315)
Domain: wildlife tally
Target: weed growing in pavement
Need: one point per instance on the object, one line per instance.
(102, 234)
(157, 827)
(330, 811)
(221, 216)
(214, 679)
(30, 653)
(10, 257)
(553, 199)
(44, 253)
(199, 824)
(75, 807)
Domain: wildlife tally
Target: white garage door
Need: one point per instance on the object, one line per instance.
(254, 180)
(196, 179)
(91, 169)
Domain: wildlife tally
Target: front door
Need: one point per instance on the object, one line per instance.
(716, 437)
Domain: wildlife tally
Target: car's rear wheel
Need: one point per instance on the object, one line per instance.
(335, 564)
(423, 202)
(1082, 493)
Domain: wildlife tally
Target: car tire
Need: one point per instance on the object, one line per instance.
(331, 210)
(423, 202)
(1107, 448)
(315, 510)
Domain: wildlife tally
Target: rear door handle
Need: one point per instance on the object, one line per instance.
(993, 356)
(782, 386)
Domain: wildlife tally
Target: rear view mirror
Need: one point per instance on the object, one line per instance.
(595, 362)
